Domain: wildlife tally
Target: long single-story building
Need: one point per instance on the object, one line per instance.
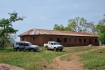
(66, 38)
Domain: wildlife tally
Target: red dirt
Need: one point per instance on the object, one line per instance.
(8, 67)
(74, 64)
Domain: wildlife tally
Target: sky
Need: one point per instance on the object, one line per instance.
(44, 14)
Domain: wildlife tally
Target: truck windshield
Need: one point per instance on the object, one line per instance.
(56, 43)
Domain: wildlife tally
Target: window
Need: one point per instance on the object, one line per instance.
(84, 40)
(51, 43)
(26, 44)
(58, 39)
(56, 43)
(33, 38)
(65, 39)
(17, 43)
(80, 40)
(51, 39)
(21, 44)
(69, 39)
(75, 40)
(23, 39)
(95, 40)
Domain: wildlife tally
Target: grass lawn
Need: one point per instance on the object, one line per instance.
(94, 60)
(28, 60)
(36, 60)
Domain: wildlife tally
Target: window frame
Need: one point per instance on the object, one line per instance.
(65, 39)
(84, 40)
(95, 40)
(80, 40)
(51, 39)
(70, 39)
(75, 40)
(34, 38)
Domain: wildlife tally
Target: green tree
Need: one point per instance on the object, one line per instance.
(6, 28)
(101, 30)
(77, 24)
(101, 33)
(58, 27)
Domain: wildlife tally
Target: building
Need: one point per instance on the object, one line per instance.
(66, 38)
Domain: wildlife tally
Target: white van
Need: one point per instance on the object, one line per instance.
(24, 45)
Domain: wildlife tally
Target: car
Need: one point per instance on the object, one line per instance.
(24, 45)
(53, 45)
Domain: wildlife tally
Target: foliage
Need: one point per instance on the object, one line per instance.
(58, 27)
(6, 28)
(91, 27)
(81, 25)
(101, 30)
(77, 25)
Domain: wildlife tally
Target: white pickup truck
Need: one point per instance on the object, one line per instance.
(53, 45)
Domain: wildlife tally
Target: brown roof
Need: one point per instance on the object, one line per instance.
(55, 32)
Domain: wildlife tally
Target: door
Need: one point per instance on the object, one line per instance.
(90, 41)
(21, 45)
(26, 46)
(50, 45)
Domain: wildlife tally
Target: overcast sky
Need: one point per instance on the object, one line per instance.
(43, 14)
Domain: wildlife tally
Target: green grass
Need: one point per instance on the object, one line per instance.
(65, 58)
(94, 60)
(72, 50)
(27, 60)
(36, 60)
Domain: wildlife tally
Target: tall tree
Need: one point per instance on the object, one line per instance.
(91, 28)
(6, 28)
(77, 24)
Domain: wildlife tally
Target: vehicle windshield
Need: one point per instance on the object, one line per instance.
(56, 43)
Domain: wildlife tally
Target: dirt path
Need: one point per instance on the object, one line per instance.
(9, 67)
(73, 64)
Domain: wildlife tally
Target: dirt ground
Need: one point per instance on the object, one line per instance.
(8, 67)
(74, 64)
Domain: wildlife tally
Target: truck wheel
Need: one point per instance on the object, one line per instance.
(29, 49)
(33, 50)
(60, 49)
(46, 48)
(18, 49)
(55, 49)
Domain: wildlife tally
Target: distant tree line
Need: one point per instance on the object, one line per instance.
(82, 25)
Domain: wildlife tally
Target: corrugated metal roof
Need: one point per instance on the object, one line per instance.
(55, 32)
